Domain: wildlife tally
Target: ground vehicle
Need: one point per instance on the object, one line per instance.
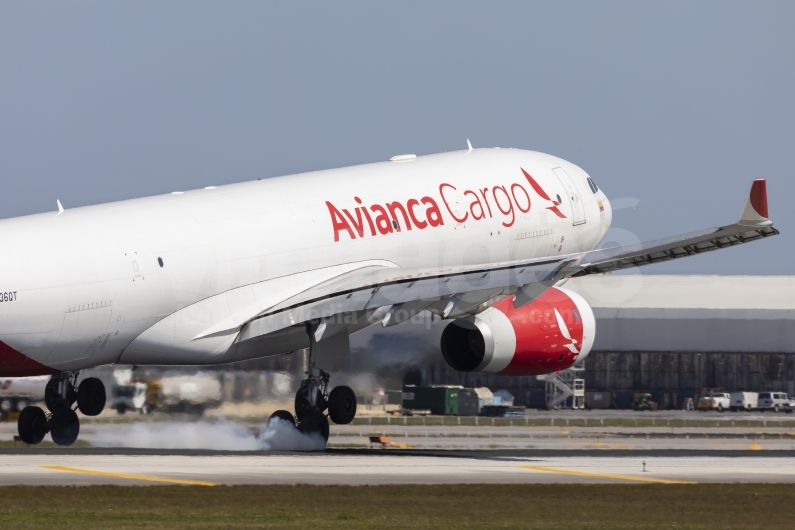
(18, 393)
(643, 402)
(719, 401)
(775, 401)
(747, 401)
(189, 394)
(130, 396)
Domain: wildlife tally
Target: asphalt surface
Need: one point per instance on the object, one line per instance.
(84, 466)
(375, 452)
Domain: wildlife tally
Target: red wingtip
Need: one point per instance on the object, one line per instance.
(759, 197)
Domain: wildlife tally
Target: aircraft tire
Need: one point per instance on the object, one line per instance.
(283, 415)
(314, 421)
(32, 425)
(64, 426)
(91, 396)
(342, 405)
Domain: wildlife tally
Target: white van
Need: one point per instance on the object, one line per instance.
(776, 401)
(744, 401)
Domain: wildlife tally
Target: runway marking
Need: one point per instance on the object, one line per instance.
(600, 475)
(129, 476)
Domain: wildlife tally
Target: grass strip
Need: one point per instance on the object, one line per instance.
(534, 506)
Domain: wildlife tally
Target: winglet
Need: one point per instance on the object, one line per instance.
(755, 210)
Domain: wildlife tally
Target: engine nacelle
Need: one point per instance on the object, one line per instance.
(545, 336)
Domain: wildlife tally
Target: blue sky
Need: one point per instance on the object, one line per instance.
(679, 104)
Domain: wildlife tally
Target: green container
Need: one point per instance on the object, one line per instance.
(440, 400)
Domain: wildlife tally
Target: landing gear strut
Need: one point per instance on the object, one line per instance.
(62, 423)
(313, 398)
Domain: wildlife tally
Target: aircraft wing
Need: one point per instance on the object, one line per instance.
(392, 295)
(752, 225)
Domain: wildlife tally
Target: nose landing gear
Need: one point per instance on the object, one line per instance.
(313, 399)
(62, 422)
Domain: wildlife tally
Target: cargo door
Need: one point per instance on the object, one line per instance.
(577, 209)
(83, 331)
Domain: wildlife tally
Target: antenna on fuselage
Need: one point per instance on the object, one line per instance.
(60, 208)
(469, 144)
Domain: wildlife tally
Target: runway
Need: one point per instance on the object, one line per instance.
(360, 467)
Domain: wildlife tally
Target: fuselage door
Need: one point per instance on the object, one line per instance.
(577, 209)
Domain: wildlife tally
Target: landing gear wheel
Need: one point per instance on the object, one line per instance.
(91, 396)
(32, 425)
(342, 405)
(314, 421)
(64, 426)
(283, 415)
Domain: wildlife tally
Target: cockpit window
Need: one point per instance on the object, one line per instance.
(592, 184)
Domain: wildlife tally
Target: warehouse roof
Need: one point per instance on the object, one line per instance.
(692, 292)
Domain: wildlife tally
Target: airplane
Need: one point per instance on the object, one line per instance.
(483, 238)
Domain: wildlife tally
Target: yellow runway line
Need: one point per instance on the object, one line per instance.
(600, 475)
(129, 476)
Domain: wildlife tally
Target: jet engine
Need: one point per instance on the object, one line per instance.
(544, 336)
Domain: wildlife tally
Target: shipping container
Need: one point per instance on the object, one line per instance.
(440, 400)
(468, 402)
(623, 400)
(536, 399)
(598, 400)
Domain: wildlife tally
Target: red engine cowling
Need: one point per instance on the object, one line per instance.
(545, 336)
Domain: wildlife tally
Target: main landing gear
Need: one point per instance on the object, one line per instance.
(61, 422)
(313, 398)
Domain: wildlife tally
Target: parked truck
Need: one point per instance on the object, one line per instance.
(19, 392)
(715, 399)
(746, 401)
(189, 394)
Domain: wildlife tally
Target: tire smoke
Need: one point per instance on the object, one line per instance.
(278, 435)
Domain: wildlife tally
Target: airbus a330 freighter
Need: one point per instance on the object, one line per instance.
(481, 237)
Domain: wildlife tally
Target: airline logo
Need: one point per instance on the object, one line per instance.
(564, 330)
(541, 193)
(503, 202)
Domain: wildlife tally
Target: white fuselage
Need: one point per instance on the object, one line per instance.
(80, 287)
